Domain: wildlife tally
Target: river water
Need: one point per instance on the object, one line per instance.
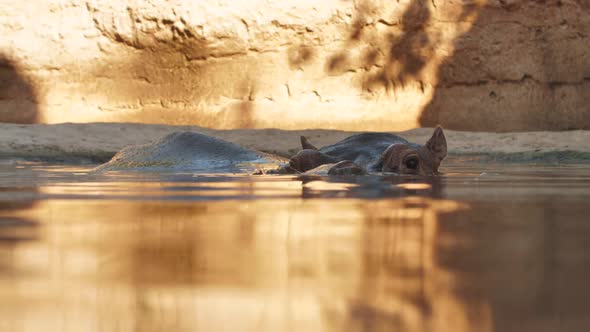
(485, 247)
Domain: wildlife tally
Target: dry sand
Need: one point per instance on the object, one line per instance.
(97, 142)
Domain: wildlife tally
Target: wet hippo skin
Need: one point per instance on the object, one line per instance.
(371, 153)
(356, 155)
(191, 152)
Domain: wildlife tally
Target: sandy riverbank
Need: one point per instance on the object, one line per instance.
(97, 142)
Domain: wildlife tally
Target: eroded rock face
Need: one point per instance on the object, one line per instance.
(356, 65)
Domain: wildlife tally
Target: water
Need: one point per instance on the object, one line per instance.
(483, 248)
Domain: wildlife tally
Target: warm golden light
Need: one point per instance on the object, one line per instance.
(276, 253)
(268, 264)
(362, 66)
(414, 186)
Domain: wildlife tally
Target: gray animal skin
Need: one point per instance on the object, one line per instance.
(191, 152)
(371, 153)
(355, 155)
(365, 150)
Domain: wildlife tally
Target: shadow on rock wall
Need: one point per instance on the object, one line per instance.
(405, 54)
(512, 66)
(391, 50)
(522, 65)
(506, 72)
(18, 98)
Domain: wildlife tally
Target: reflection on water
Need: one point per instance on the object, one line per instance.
(475, 250)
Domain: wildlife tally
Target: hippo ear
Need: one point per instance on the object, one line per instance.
(437, 144)
(306, 145)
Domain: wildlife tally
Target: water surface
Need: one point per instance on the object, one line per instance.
(483, 248)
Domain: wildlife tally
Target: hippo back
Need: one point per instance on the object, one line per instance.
(190, 151)
(363, 149)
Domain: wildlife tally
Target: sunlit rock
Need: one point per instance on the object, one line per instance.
(354, 65)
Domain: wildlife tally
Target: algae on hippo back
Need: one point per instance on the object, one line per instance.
(356, 155)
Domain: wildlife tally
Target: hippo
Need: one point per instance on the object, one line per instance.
(359, 154)
(191, 152)
(371, 153)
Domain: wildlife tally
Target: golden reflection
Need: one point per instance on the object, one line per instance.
(131, 261)
(173, 189)
(264, 265)
(414, 186)
(323, 185)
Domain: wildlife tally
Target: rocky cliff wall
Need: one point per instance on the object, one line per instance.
(355, 65)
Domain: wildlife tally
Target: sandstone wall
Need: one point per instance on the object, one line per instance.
(292, 64)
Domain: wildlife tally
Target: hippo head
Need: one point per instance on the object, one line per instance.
(405, 158)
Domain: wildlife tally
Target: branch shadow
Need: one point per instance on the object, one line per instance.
(388, 59)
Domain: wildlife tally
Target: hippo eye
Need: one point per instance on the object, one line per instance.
(411, 162)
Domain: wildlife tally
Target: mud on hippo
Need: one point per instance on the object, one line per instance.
(355, 155)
